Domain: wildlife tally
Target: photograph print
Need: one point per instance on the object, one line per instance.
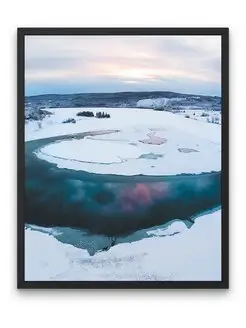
(122, 181)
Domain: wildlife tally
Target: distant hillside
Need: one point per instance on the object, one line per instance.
(121, 99)
(159, 100)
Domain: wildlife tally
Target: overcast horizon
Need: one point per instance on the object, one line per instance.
(110, 64)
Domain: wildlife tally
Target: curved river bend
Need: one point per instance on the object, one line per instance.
(112, 205)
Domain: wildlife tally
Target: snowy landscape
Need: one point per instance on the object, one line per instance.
(157, 253)
(123, 157)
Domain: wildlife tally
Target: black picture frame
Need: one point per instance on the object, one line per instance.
(21, 283)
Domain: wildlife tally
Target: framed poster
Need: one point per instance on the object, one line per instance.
(123, 158)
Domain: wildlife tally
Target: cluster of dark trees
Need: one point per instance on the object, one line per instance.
(91, 114)
(102, 115)
(86, 113)
(69, 120)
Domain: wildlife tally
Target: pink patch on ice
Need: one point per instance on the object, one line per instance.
(153, 139)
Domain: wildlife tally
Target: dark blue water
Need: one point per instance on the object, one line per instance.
(111, 205)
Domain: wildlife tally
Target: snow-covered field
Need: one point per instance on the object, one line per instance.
(187, 147)
(120, 118)
(192, 254)
(207, 116)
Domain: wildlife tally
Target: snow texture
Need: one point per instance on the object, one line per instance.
(125, 152)
(192, 254)
(157, 103)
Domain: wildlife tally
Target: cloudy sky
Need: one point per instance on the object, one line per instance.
(72, 64)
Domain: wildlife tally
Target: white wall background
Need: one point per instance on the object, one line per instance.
(113, 308)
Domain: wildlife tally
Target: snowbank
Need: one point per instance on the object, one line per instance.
(193, 254)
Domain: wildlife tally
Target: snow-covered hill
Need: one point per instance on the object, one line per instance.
(158, 103)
